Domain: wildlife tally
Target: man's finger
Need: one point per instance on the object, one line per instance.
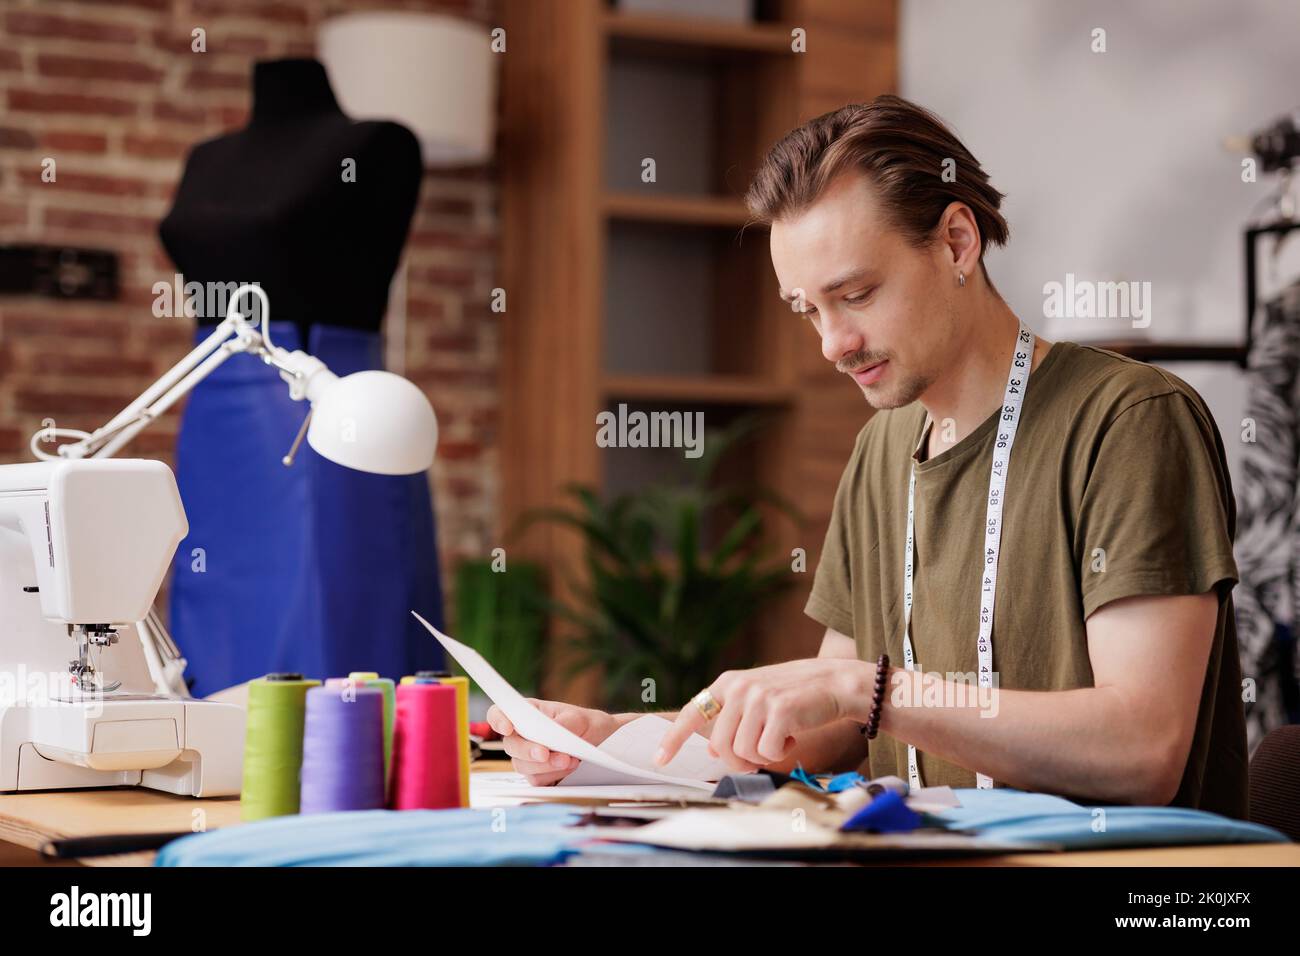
(745, 743)
(775, 743)
(534, 754)
(499, 722)
(544, 779)
(688, 721)
(558, 764)
(722, 734)
(521, 748)
(529, 769)
(571, 719)
(722, 744)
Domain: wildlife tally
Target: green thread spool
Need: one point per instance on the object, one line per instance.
(371, 679)
(277, 707)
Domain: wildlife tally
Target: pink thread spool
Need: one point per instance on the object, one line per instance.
(426, 765)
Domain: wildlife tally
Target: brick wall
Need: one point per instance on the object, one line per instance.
(112, 92)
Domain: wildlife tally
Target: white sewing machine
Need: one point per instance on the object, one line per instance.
(84, 547)
(96, 693)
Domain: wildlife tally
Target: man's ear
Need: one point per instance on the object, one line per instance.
(960, 235)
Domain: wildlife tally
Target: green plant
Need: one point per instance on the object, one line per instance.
(662, 598)
(502, 615)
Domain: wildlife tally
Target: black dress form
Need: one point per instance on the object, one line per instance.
(319, 573)
(270, 204)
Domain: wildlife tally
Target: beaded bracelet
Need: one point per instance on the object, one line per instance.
(872, 726)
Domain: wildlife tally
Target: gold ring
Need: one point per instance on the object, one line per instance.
(707, 704)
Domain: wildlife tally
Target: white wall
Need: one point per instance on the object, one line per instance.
(1113, 163)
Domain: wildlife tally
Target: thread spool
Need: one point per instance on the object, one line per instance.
(461, 684)
(273, 745)
(425, 676)
(426, 755)
(343, 749)
(385, 684)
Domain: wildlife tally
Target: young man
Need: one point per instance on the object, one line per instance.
(1071, 626)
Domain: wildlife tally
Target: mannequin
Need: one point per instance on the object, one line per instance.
(269, 203)
(314, 567)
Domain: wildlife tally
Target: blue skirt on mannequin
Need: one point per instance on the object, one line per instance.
(312, 568)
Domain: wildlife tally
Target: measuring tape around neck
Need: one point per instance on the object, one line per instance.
(1008, 421)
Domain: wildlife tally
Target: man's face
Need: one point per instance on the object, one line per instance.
(882, 306)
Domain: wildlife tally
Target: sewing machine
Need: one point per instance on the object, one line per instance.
(84, 546)
(85, 542)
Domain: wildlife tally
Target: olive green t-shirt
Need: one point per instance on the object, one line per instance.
(1117, 486)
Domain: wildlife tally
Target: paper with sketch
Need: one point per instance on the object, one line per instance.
(632, 757)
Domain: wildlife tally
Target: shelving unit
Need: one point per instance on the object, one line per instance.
(648, 33)
(660, 294)
(716, 389)
(675, 210)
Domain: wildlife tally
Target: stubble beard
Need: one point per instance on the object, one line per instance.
(910, 388)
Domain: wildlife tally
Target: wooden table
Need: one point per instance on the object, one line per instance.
(27, 820)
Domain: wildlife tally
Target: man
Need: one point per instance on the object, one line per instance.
(1107, 670)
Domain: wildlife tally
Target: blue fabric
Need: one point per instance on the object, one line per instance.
(1009, 814)
(542, 834)
(534, 835)
(312, 568)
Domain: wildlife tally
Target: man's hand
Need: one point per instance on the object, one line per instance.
(766, 708)
(541, 766)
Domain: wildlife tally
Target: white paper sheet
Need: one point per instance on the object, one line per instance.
(506, 789)
(534, 725)
(635, 743)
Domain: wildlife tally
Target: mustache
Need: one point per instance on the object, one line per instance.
(858, 361)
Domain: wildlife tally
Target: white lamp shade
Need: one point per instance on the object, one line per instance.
(434, 74)
(373, 421)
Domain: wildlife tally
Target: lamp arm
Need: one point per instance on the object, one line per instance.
(232, 335)
(170, 377)
(169, 398)
(142, 411)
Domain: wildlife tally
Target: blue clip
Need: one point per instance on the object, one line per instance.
(807, 779)
(888, 813)
(844, 781)
(834, 784)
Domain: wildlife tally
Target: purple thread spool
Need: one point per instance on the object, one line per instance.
(343, 750)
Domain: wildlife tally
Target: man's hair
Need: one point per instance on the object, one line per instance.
(901, 147)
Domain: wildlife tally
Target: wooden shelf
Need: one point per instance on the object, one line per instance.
(687, 36)
(622, 281)
(716, 211)
(1147, 351)
(701, 389)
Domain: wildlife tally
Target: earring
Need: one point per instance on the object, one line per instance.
(961, 278)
